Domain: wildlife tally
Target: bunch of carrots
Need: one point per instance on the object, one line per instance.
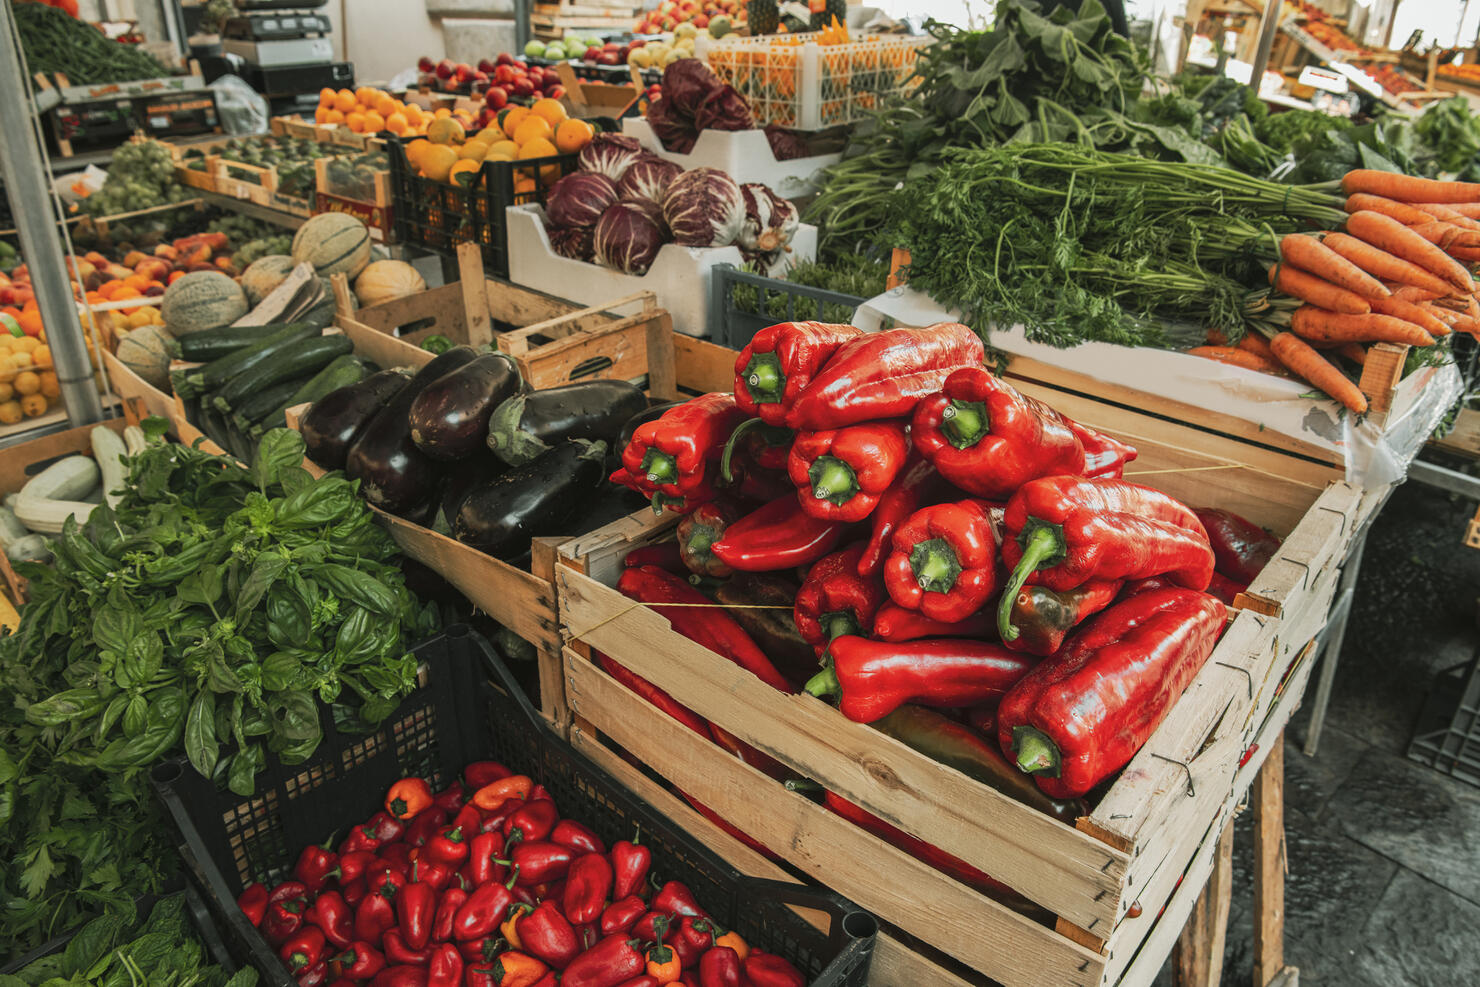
(1397, 274)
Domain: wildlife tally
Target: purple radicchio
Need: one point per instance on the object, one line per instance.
(580, 198)
(648, 178)
(704, 208)
(575, 242)
(675, 130)
(627, 238)
(770, 221)
(610, 155)
(724, 109)
(786, 145)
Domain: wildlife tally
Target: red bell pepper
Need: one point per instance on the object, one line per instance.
(607, 964)
(483, 773)
(917, 482)
(316, 866)
(446, 967)
(701, 493)
(769, 970)
(835, 600)
(358, 961)
(1082, 714)
(548, 935)
(664, 554)
(332, 916)
(989, 439)
(707, 625)
(875, 678)
(355, 864)
(630, 864)
(1045, 617)
(943, 560)
(452, 899)
(408, 797)
(374, 916)
(452, 798)
(448, 848)
(841, 473)
(484, 910)
(400, 976)
(779, 535)
(416, 910)
(421, 830)
(577, 836)
(531, 821)
(484, 853)
(884, 375)
(313, 976)
(398, 952)
(695, 936)
(675, 898)
(780, 361)
(586, 888)
(1224, 588)
(1104, 457)
(1241, 549)
(540, 861)
(622, 914)
(697, 533)
(286, 904)
(253, 903)
(1063, 531)
(655, 696)
(896, 624)
(303, 949)
(720, 967)
(672, 455)
(663, 964)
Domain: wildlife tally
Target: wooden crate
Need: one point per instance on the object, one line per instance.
(1124, 878)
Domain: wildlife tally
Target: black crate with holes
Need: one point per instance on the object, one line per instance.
(469, 708)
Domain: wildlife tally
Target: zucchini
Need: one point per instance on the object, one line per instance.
(212, 424)
(341, 372)
(65, 479)
(194, 383)
(110, 452)
(134, 441)
(11, 529)
(258, 406)
(31, 548)
(213, 344)
(299, 357)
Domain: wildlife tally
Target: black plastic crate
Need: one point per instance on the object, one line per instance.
(458, 716)
(439, 215)
(1448, 734)
(733, 324)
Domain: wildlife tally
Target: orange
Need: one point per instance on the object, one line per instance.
(27, 382)
(532, 128)
(415, 149)
(333, 116)
(572, 135)
(30, 321)
(473, 150)
(345, 101)
(41, 356)
(107, 289)
(524, 185)
(396, 123)
(437, 161)
(441, 112)
(464, 173)
(511, 117)
(550, 109)
(50, 387)
(137, 282)
(374, 122)
(541, 148)
(489, 135)
(385, 104)
(366, 95)
(445, 130)
(326, 96)
(355, 121)
(321, 115)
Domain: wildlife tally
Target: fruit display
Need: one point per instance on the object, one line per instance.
(515, 133)
(499, 81)
(368, 110)
(141, 174)
(353, 175)
(720, 17)
(291, 158)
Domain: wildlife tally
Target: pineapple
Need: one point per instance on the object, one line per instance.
(823, 12)
(764, 16)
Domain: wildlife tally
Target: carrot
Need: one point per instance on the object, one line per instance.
(1447, 236)
(1314, 257)
(1215, 337)
(1467, 253)
(1445, 214)
(1444, 315)
(1384, 265)
(1317, 291)
(1409, 312)
(1401, 211)
(1235, 357)
(1255, 343)
(1388, 234)
(1354, 352)
(1310, 322)
(1413, 293)
(1316, 370)
(1467, 209)
(1405, 188)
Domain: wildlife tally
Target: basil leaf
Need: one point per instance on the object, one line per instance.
(279, 451)
(268, 567)
(327, 500)
(242, 779)
(203, 586)
(200, 734)
(358, 587)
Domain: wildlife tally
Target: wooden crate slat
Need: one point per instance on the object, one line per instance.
(1317, 541)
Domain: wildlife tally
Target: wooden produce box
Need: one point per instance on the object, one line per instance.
(1125, 877)
(205, 180)
(371, 205)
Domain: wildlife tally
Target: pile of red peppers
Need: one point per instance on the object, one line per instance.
(485, 884)
(953, 548)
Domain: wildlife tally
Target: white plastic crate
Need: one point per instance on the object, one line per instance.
(679, 276)
(744, 154)
(793, 81)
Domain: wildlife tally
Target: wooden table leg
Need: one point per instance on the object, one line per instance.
(1269, 868)
(1197, 960)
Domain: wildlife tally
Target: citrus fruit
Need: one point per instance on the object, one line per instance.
(550, 109)
(445, 130)
(473, 150)
(437, 160)
(345, 101)
(511, 117)
(464, 172)
(572, 135)
(532, 128)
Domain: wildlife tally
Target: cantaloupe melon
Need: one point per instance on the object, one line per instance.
(147, 351)
(263, 275)
(334, 243)
(384, 280)
(203, 300)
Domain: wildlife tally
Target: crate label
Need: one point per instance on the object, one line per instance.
(291, 205)
(377, 218)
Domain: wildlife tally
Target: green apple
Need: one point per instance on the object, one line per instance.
(535, 49)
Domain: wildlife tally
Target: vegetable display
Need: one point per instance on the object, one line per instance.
(55, 41)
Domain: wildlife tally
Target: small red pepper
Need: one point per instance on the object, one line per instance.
(548, 935)
(720, 967)
(672, 455)
(485, 949)
(388, 876)
(354, 865)
(607, 964)
(316, 866)
(446, 967)
(286, 904)
(359, 961)
(481, 914)
(374, 916)
(1062, 531)
(380, 829)
(655, 696)
(397, 951)
(1104, 457)
(253, 903)
(586, 888)
(654, 927)
(532, 821)
(1045, 617)
(663, 964)
(778, 535)
(469, 819)
(401, 976)
(622, 914)
(896, 624)
(426, 825)
(943, 560)
(875, 678)
(480, 774)
(416, 908)
(452, 899)
(835, 600)
(694, 937)
(539, 861)
(642, 981)
(577, 836)
(1241, 548)
(780, 361)
(675, 898)
(732, 940)
(331, 914)
(1224, 588)
(706, 624)
(916, 483)
(630, 864)
(408, 797)
(484, 853)
(354, 892)
(452, 798)
(313, 976)
(841, 473)
(449, 848)
(769, 970)
(496, 793)
(664, 554)
(303, 950)
(697, 533)
(689, 978)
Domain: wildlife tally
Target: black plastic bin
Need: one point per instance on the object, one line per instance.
(733, 324)
(439, 215)
(458, 716)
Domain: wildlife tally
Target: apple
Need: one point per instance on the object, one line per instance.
(611, 46)
(463, 73)
(523, 87)
(608, 58)
(497, 97)
(445, 69)
(556, 91)
(503, 58)
(425, 65)
(591, 53)
(700, 20)
(534, 49)
(484, 65)
(480, 76)
(503, 74)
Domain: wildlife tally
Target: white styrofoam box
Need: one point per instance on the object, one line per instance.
(744, 154)
(679, 276)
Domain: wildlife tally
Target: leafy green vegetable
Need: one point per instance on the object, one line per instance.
(1452, 132)
(847, 274)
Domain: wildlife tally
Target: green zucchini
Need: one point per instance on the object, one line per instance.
(213, 375)
(260, 405)
(344, 371)
(211, 423)
(299, 357)
(213, 344)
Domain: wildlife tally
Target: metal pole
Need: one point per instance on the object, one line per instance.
(30, 202)
(1268, 25)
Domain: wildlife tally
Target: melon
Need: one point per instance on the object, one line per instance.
(385, 280)
(265, 274)
(147, 351)
(203, 300)
(334, 243)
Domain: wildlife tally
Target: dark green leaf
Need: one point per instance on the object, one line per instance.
(201, 746)
(278, 451)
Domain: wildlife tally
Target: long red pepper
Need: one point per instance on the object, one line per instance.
(586, 888)
(943, 560)
(764, 969)
(835, 600)
(894, 623)
(1082, 714)
(779, 535)
(609, 963)
(1062, 531)
(706, 624)
(697, 533)
(884, 375)
(547, 934)
(781, 360)
(1045, 617)
(672, 455)
(874, 678)
(841, 473)
(1104, 457)
(253, 903)
(1240, 547)
(655, 696)
(630, 864)
(916, 482)
(331, 914)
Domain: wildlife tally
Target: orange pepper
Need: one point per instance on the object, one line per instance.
(510, 927)
(490, 797)
(407, 797)
(733, 940)
(663, 964)
(518, 970)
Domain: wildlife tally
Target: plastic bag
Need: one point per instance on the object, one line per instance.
(241, 109)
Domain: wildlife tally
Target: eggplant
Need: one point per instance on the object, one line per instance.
(528, 425)
(394, 474)
(537, 498)
(476, 471)
(449, 418)
(332, 423)
(654, 411)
